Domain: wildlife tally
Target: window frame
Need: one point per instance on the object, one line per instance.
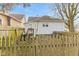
(9, 21)
(0, 22)
(45, 25)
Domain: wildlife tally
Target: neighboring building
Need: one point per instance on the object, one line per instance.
(45, 24)
(76, 27)
(12, 21)
(21, 20)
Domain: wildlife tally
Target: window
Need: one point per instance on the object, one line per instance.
(8, 21)
(0, 22)
(45, 25)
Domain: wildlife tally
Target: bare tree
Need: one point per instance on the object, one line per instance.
(68, 12)
(5, 7)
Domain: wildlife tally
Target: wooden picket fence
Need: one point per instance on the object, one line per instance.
(8, 40)
(50, 45)
(57, 44)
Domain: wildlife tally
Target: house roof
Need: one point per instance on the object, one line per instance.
(44, 19)
(18, 16)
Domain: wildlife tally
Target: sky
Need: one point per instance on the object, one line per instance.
(36, 9)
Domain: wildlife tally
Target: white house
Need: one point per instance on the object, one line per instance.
(76, 27)
(45, 24)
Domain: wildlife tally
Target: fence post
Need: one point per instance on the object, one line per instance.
(35, 50)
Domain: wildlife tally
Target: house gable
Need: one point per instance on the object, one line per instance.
(8, 20)
(44, 19)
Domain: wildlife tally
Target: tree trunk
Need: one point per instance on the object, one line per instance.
(71, 27)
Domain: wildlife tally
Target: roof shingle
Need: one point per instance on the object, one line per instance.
(44, 19)
(17, 16)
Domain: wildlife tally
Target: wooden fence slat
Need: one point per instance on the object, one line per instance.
(60, 43)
